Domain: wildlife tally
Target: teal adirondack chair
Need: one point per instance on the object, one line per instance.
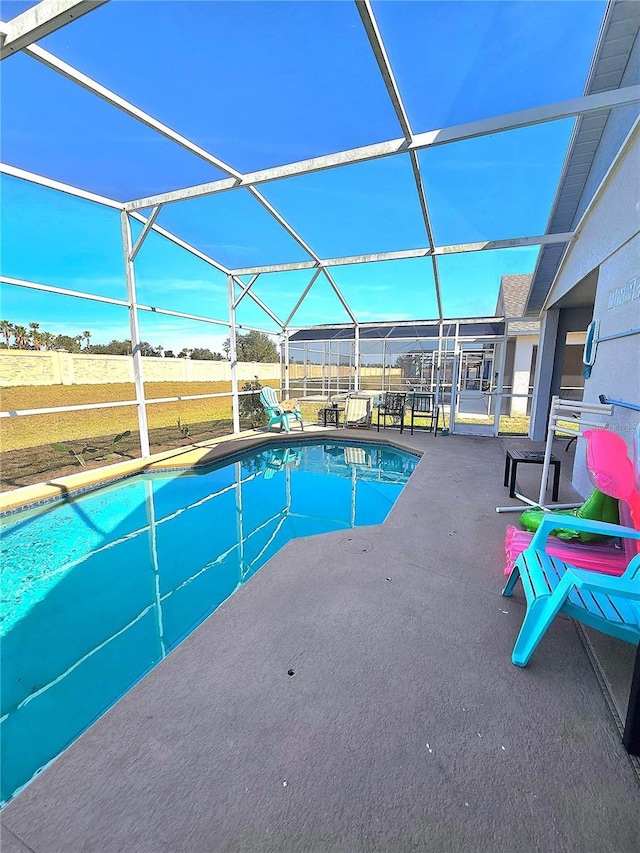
(606, 603)
(273, 408)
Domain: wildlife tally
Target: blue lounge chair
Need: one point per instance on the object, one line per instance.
(276, 413)
(606, 603)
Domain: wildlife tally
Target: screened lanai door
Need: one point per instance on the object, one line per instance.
(473, 372)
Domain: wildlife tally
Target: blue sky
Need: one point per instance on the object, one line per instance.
(261, 84)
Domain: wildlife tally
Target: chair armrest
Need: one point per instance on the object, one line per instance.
(552, 521)
(597, 582)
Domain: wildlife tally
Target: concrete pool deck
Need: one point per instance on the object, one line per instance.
(404, 726)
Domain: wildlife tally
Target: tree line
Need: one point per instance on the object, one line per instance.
(254, 346)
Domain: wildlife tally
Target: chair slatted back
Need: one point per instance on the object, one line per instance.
(393, 402)
(357, 410)
(269, 398)
(422, 402)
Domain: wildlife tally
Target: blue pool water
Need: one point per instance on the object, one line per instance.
(96, 591)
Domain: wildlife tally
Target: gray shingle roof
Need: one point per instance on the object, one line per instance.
(609, 67)
(512, 299)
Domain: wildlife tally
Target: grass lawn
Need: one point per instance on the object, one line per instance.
(22, 432)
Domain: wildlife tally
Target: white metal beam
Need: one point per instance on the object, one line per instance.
(410, 324)
(138, 376)
(71, 73)
(147, 227)
(245, 288)
(40, 20)
(260, 304)
(302, 297)
(123, 303)
(377, 46)
(287, 384)
(356, 356)
(233, 357)
(125, 106)
(386, 70)
(32, 177)
(509, 243)
(471, 130)
(166, 312)
(184, 245)
(282, 222)
(403, 254)
(302, 167)
(40, 180)
(61, 291)
(422, 197)
(337, 292)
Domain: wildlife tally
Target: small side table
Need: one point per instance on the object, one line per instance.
(529, 457)
(331, 415)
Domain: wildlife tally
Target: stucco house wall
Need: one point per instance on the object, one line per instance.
(609, 240)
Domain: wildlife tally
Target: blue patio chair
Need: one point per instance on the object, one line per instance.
(285, 457)
(277, 415)
(606, 603)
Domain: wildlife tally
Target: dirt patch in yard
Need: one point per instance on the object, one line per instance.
(45, 462)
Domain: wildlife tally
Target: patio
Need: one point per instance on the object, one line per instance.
(404, 726)
(358, 693)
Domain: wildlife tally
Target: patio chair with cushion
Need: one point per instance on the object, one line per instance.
(357, 411)
(392, 405)
(604, 602)
(278, 412)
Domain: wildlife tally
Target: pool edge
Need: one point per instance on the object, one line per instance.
(197, 455)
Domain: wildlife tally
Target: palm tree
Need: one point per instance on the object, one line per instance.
(47, 340)
(34, 334)
(20, 336)
(6, 330)
(160, 350)
(87, 337)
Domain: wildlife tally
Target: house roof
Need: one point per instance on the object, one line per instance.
(512, 299)
(616, 63)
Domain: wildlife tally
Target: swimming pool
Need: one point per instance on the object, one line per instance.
(97, 590)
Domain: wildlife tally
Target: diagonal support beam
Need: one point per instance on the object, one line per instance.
(337, 292)
(75, 76)
(40, 180)
(41, 20)
(302, 298)
(56, 64)
(377, 46)
(422, 197)
(258, 302)
(283, 222)
(384, 64)
(245, 288)
(147, 227)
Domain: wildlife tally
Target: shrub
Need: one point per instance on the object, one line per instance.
(251, 409)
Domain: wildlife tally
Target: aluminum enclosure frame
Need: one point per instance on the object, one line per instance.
(51, 14)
